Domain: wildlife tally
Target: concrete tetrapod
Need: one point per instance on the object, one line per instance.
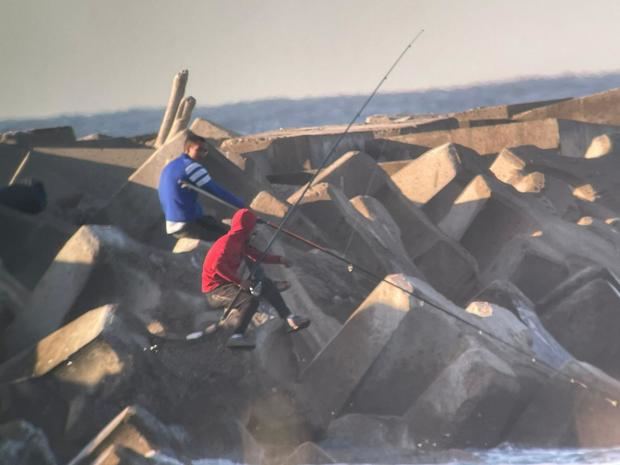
(468, 405)
(339, 367)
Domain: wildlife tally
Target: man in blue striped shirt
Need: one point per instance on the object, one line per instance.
(184, 216)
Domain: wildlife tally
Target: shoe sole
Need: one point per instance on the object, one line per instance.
(303, 325)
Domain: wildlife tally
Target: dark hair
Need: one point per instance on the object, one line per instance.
(194, 139)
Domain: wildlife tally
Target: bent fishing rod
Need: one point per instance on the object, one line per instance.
(291, 210)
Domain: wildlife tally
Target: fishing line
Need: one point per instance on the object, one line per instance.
(540, 365)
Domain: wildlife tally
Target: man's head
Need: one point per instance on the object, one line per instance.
(243, 223)
(195, 146)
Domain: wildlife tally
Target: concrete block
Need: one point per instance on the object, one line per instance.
(10, 158)
(604, 145)
(56, 348)
(386, 150)
(60, 135)
(349, 232)
(212, 131)
(564, 414)
(297, 149)
(80, 180)
(368, 431)
(272, 209)
(13, 297)
(336, 371)
(502, 111)
(600, 108)
(354, 173)
(382, 226)
(529, 263)
(424, 344)
(511, 169)
(450, 269)
(469, 404)
(570, 138)
(465, 208)
(585, 323)
(392, 167)
(100, 265)
(38, 239)
(428, 174)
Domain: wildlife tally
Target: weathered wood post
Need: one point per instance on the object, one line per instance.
(176, 94)
(184, 114)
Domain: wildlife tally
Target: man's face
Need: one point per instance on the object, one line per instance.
(197, 151)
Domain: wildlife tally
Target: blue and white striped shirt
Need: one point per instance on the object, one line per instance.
(180, 205)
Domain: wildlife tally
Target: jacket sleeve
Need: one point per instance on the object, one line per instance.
(197, 174)
(254, 254)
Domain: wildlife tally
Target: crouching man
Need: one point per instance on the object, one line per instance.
(221, 281)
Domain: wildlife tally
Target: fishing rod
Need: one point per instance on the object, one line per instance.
(291, 210)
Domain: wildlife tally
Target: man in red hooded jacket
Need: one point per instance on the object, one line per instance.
(221, 281)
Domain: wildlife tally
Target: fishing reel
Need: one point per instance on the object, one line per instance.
(256, 288)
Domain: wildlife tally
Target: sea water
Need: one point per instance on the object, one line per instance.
(506, 455)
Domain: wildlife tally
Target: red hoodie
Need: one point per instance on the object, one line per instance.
(222, 261)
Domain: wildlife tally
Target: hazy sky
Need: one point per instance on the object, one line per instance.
(75, 56)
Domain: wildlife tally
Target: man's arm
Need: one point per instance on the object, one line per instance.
(253, 254)
(199, 177)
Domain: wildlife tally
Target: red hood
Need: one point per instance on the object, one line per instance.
(243, 222)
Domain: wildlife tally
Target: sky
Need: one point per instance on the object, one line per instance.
(87, 56)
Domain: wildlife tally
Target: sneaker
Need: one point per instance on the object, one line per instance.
(296, 323)
(240, 341)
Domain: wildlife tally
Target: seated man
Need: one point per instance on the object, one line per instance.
(184, 216)
(221, 281)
